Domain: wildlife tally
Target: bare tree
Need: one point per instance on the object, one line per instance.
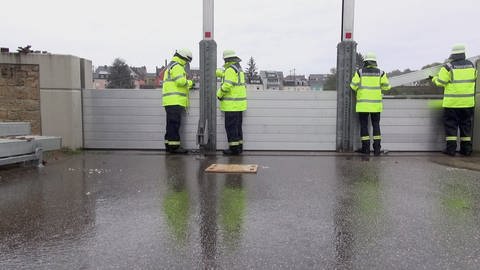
(251, 69)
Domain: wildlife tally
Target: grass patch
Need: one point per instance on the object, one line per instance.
(70, 151)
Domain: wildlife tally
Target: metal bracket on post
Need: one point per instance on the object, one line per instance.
(39, 157)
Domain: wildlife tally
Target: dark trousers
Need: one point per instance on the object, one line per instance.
(454, 119)
(174, 120)
(233, 127)
(375, 118)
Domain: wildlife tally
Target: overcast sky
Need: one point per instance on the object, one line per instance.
(280, 35)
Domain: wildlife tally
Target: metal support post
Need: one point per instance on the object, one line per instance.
(347, 122)
(207, 124)
(476, 118)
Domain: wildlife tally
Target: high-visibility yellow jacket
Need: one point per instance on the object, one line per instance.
(458, 79)
(232, 93)
(175, 83)
(368, 83)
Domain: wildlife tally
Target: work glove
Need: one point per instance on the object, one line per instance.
(193, 84)
(219, 73)
(219, 98)
(430, 77)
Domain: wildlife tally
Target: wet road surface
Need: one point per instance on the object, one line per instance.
(145, 210)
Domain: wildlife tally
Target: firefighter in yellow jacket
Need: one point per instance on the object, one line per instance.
(458, 77)
(233, 100)
(176, 88)
(369, 82)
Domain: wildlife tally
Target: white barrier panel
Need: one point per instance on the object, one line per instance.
(275, 120)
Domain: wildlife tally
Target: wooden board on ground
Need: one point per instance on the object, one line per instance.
(232, 168)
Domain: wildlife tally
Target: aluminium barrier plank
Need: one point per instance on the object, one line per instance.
(420, 74)
(14, 128)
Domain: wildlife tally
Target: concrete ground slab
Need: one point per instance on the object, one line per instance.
(148, 210)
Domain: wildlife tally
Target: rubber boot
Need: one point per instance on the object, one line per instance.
(466, 148)
(170, 148)
(376, 148)
(240, 148)
(365, 148)
(451, 148)
(232, 151)
(179, 150)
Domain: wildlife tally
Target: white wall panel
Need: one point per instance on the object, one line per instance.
(275, 120)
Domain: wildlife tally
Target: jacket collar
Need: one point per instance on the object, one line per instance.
(228, 64)
(179, 60)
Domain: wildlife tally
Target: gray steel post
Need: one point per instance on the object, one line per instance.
(347, 122)
(476, 119)
(207, 124)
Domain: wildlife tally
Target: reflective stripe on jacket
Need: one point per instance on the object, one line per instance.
(175, 84)
(458, 79)
(233, 93)
(368, 83)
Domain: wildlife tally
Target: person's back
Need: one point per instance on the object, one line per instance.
(368, 83)
(458, 78)
(369, 94)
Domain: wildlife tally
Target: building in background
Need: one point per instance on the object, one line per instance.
(139, 75)
(150, 81)
(254, 83)
(266, 80)
(316, 81)
(295, 80)
(272, 80)
(100, 77)
(296, 83)
(255, 79)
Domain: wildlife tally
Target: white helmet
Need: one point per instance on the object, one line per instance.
(185, 53)
(370, 56)
(458, 48)
(229, 54)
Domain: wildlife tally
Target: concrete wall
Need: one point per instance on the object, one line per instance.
(61, 80)
(20, 95)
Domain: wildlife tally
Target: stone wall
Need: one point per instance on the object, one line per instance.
(20, 95)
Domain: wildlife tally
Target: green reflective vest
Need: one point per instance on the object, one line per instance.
(175, 84)
(368, 83)
(233, 93)
(458, 79)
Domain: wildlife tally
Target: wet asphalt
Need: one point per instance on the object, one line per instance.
(145, 210)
